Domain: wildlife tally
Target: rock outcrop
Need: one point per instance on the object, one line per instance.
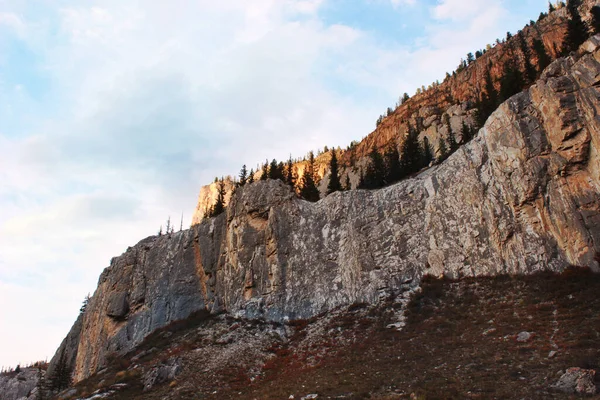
(19, 386)
(520, 197)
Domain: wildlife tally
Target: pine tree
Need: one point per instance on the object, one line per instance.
(348, 185)
(290, 178)
(276, 170)
(375, 174)
(530, 71)
(219, 205)
(41, 386)
(361, 179)
(550, 7)
(169, 228)
(427, 152)
(595, 11)
(85, 303)
(576, 30)
(511, 82)
(443, 150)
(489, 99)
(250, 177)
(410, 153)
(334, 176)
(243, 175)
(308, 188)
(61, 376)
(393, 167)
(465, 132)
(452, 144)
(265, 171)
(542, 56)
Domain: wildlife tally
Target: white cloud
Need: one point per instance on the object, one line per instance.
(13, 22)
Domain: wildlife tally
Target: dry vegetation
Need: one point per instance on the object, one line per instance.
(459, 342)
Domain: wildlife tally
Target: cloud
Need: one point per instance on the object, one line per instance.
(12, 22)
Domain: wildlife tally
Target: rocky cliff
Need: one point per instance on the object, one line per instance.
(20, 385)
(520, 197)
(437, 110)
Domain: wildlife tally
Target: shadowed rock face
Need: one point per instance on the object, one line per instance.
(521, 197)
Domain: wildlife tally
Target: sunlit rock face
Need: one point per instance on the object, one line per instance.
(441, 108)
(520, 197)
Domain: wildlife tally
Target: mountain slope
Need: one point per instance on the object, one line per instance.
(521, 197)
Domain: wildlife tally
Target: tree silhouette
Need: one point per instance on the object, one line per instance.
(489, 99)
(250, 177)
(347, 185)
(466, 132)
(290, 178)
(427, 152)
(219, 205)
(452, 144)
(375, 174)
(308, 188)
(542, 56)
(41, 386)
(443, 150)
(243, 175)
(85, 303)
(276, 170)
(576, 30)
(334, 176)
(61, 376)
(530, 71)
(410, 153)
(511, 82)
(393, 167)
(265, 171)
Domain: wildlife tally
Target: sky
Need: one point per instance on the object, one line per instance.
(114, 113)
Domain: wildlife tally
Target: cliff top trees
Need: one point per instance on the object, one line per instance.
(243, 175)
(334, 177)
(393, 167)
(290, 177)
(374, 177)
(265, 171)
(410, 153)
(275, 170)
(308, 187)
(219, 205)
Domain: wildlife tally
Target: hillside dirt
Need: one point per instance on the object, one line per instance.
(461, 341)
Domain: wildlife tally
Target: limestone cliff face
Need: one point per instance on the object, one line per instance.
(521, 197)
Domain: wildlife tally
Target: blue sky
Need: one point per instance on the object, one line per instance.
(114, 113)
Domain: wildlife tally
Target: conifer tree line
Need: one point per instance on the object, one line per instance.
(392, 164)
(518, 72)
